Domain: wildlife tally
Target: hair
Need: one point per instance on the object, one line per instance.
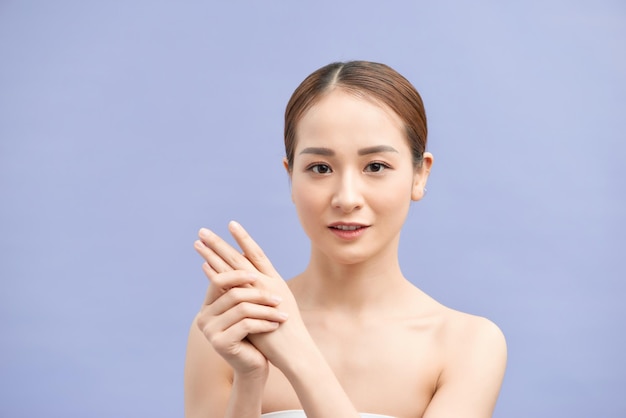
(370, 79)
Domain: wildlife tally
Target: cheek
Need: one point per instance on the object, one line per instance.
(308, 202)
(394, 193)
(310, 208)
(392, 202)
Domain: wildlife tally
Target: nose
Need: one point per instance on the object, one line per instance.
(347, 195)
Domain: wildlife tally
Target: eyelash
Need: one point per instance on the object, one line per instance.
(383, 166)
(316, 166)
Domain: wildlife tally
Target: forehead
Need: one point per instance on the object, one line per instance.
(343, 118)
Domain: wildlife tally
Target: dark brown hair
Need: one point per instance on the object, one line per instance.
(373, 80)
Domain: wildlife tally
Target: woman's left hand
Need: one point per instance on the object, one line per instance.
(222, 257)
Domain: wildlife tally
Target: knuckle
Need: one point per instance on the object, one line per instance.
(227, 280)
(201, 323)
(256, 255)
(209, 335)
(231, 258)
(248, 325)
(240, 309)
(217, 342)
(220, 279)
(234, 295)
(202, 319)
(246, 309)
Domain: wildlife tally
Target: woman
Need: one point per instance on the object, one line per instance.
(350, 333)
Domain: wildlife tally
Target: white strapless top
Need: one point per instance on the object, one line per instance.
(300, 414)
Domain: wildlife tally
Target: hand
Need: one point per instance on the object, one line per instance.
(223, 258)
(232, 311)
(289, 347)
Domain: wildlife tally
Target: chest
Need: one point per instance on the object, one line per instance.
(389, 368)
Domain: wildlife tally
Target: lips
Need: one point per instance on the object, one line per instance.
(347, 230)
(347, 227)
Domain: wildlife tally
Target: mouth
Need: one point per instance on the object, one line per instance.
(347, 226)
(348, 231)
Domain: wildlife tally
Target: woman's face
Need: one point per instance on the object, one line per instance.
(353, 178)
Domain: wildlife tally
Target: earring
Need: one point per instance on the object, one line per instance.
(425, 191)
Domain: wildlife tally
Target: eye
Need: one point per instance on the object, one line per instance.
(320, 168)
(376, 167)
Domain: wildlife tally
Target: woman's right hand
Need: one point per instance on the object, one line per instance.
(222, 258)
(234, 309)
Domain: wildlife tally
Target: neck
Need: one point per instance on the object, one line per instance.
(330, 285)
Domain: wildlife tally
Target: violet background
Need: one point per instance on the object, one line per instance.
(126, 126)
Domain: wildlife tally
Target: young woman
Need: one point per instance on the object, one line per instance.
(350, 334)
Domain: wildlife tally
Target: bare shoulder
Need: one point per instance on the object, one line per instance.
(471, 330)
(456, 327)
(474, 361)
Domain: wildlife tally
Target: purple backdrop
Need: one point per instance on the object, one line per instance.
(125, 126)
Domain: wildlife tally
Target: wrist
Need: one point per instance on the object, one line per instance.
(246, 395)
(303, 361)
(251, 377)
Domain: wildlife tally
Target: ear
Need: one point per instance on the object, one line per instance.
(286, 165)
(420, 177)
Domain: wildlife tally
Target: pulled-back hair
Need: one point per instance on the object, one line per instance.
(370, 79)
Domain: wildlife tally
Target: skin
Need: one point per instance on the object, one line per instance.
(350, 333)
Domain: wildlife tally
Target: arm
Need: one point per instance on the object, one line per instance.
(225, 374)
(207, 378)
(315, 383)
(290, 347)
(211, 390)
(475, 365)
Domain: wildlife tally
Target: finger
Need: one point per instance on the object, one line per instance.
(213, 291)
(222, 282)
(229, 255)
(231, 278)
(238, 332)
(238, 295)
(250, 311)
(210, 273)
(213, 324)
(214, 260)
(251, 250)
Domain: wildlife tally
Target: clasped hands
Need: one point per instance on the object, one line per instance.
(249, 314)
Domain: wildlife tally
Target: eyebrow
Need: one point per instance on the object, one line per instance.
(327, 152)
(318, 151)
(376, 149)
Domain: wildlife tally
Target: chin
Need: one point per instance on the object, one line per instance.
(348, 257)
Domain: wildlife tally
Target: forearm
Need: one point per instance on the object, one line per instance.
(316, 385)
(246, 397)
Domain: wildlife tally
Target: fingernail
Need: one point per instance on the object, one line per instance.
(283, 315)
(234, 225)
(204, 233)
(277, 299)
